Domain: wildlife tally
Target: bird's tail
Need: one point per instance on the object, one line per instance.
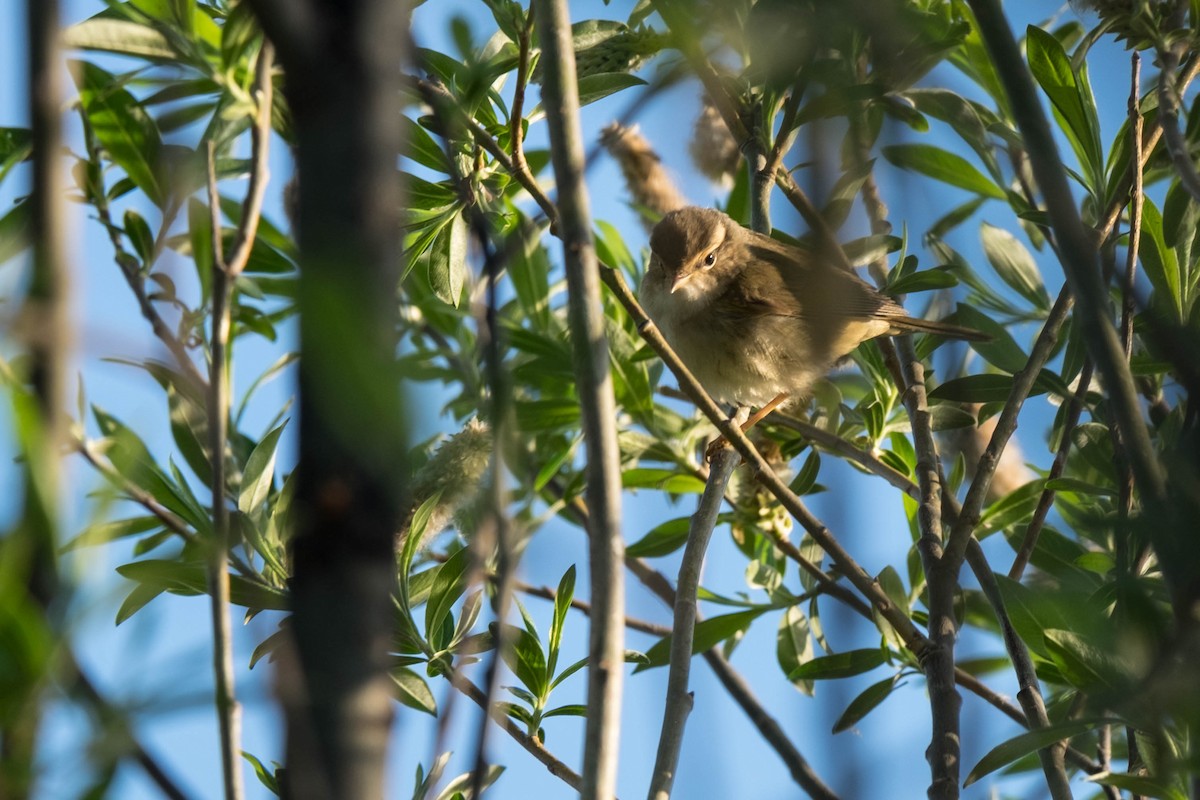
(902, 325)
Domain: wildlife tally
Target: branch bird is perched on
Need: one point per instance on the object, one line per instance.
(756, 320)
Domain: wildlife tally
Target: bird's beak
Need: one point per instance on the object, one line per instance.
(680, 279)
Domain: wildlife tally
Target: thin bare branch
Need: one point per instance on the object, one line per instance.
(531, 744)
(1006, 425)
(223, 272)
(585, 315)
(1046, 500)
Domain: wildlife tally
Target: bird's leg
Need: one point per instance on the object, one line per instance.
(716, 444)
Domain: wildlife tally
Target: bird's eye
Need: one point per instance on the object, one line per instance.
(710, 259)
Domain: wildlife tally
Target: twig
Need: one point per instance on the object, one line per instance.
(585, 316)
(1029, 694)
(127, 263)
(1169, 98)
(437, 96)
(678, 703)
(941, 576)
(223, 273)
(1040, 512)
(633, 623)
(516, 114)
(82, 684)
(531, 743)
(1006, 425)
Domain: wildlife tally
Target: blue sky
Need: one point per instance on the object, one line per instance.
(159, 662)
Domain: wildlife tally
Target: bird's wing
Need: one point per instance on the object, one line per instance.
(819, 291)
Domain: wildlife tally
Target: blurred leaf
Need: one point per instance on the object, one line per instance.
(668, 480)
(942, 165)
(1014, 264)
(119, 36)
(601, 85)
(14, 231)
(104, 532)
(448, 261)
(793, 645)
(662, 540)
(840, 665)
(562, 604)
(451, 582)
(924, 281)
(1139, 785)
(1002, 351)
(1159, 260)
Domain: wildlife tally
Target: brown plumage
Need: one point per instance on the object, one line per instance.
(754, 318)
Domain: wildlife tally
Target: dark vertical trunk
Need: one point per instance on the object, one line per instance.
(342, 65)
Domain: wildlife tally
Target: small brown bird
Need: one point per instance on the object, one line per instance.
(756, 320)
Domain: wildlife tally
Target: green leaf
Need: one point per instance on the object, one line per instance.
(865, 703)
(14, 231)
(990, 388)
(265, 777)
(944, 166)
(136, 600)
(412, 691)
(1026, 743)
(1014, 264)
(1071, 98)
(1159, 260)
(448, 261)
(840, 665)
(448, 586)
(122, 127)
(259, 476)
(1002, 351)
(562, 604)
(105, 532)
(601, 85)
(794, 645)
(120, 36)
(668, 480)
(1091, 666)
(523, 655)
(707, 634)
(1140, 785)
(923, 281)
(662, 540)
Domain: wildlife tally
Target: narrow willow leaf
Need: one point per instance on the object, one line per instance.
(259, 476)
(944, 166)
(448, 586)
(119, 36)
(1014, 264)
(865, 703)
(708, 634)
(1026, 743)
(122, 126)
(794, 646)
(840, 665)
(662, 540)
(412, 691)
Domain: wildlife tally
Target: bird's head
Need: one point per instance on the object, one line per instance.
(688, 243)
